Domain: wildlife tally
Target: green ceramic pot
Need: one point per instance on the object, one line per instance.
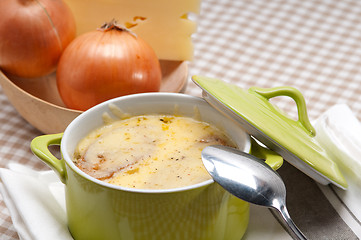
(98, 210)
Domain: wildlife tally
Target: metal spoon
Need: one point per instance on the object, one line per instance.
(249, 179)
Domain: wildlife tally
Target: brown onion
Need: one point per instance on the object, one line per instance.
(33, 35)
(104, 64)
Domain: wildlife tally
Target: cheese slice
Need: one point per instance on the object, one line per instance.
(164, 24)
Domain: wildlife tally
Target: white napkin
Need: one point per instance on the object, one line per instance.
(36, 202)
(339, 132)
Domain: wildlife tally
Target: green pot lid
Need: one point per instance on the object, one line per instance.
(293, 140)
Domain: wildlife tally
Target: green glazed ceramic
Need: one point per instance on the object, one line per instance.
(97, 210)
(293, 139)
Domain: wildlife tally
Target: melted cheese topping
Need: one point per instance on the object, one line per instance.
(148, 152)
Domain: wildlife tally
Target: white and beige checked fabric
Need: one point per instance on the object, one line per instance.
(313, 45)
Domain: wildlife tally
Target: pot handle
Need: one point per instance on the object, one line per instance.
(274, 160)
(40, 147)
(297, 96)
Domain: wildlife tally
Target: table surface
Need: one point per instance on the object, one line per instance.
(314, 46)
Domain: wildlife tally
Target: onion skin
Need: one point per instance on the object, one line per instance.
(33, 35)
(104, 64)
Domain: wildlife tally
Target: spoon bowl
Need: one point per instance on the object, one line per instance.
(250, 179)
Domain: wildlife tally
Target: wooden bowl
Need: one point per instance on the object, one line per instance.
(37, 100)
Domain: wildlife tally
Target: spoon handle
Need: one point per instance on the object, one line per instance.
(296, 233)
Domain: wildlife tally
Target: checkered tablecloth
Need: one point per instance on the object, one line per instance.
(312, 45)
